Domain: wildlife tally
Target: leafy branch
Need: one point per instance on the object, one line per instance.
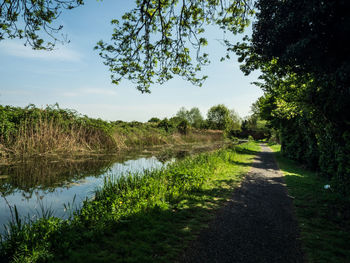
(29, 19)
(155, 40)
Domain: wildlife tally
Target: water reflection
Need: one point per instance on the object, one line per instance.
(51, 183)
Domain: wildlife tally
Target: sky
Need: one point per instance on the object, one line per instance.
(74, 76)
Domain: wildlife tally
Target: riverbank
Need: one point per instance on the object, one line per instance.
(137, 218)
(31, 132)
(53, 181)
(323, 214)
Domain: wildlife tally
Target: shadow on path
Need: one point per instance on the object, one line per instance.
(257, 225)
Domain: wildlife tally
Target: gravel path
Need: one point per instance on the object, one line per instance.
(257, 225)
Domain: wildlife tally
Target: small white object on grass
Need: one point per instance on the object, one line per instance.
(326, 186)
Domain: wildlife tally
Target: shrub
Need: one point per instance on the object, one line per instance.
(183, 127)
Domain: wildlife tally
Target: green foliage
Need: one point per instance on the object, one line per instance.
(255, 127)
(218, 117)
(29, 19)
(235, 121)
(183, 127)
(195, 118)
(166, 125)
(154, 119)
(322, 213)
(182, 113)
(192, 116)
(233, 129)
(174, 124)
(133, 217)
(155, 40)
(301, 49)
(312, 39)
(33, 130)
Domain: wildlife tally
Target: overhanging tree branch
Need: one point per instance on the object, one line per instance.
(155, 40)
(33, 19)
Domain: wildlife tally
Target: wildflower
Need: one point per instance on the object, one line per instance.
(327, 186)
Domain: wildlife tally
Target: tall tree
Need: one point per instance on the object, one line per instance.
(196, 118)
(182, 113)
(302, 49)
(192, 116)
(218, 117)
(235, 120)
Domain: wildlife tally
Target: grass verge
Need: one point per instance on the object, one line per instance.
(323, 214)
(136, 218)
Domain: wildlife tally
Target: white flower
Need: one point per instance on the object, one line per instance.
(327, 186)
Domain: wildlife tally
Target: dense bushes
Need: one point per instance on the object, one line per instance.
(312, 140)
(305, 75)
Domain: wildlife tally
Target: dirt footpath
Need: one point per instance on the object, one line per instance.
(257, 225)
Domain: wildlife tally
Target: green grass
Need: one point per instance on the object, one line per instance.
(323, 215)
(137, 218)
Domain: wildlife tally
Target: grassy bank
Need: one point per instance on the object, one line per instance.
(32, 131)
(323, 214)
(149, 218)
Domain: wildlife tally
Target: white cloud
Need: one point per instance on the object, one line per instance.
(61, 53)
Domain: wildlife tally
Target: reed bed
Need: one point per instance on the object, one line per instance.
(31, 131)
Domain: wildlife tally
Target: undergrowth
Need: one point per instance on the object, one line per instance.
(323, 213)
(148, 217)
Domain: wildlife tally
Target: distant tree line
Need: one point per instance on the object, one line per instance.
(219, 117)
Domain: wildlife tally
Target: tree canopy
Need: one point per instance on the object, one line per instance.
(33, 20)
(302, 50)
(218, 117)
(192, 116)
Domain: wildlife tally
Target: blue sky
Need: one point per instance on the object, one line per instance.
(74, 76)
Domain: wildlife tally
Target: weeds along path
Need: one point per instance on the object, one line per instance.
(256, 225)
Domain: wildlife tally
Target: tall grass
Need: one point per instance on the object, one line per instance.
(135, 218)
(129, 135)
(32, 131)
(148, 134)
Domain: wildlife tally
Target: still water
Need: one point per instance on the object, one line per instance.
(33, 184)
(49, 184)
